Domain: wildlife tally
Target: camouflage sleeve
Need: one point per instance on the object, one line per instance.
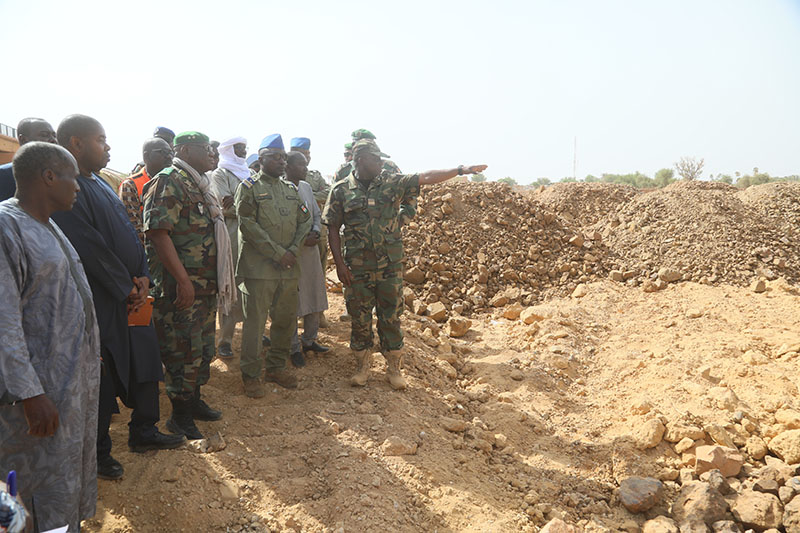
(133, 205)
(333, 214)
(303, 227)
(319, 186)
(162, 204)
(251, 231)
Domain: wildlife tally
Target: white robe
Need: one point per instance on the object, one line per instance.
(49, 344)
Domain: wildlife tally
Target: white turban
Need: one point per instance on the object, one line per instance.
(230, 161)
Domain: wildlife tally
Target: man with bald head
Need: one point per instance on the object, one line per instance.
(157, 155)
(28, 130)
(50, 354)
(116, 266)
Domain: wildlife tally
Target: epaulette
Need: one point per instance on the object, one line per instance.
(166, 172)
(248, 182)
(290, 184)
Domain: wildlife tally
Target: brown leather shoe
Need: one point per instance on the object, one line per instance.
(253, 388)
(282, 377)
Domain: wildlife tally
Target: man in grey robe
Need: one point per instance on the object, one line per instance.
(312, 298)
(230, 172)
(50, 346)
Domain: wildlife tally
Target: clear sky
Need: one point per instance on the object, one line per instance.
(507, 83)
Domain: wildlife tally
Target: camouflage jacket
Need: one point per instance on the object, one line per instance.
(319, 186)
(408, 207)
(370, 214)
(172, 201)
(273, 220)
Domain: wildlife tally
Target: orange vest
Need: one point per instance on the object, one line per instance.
(139, 179)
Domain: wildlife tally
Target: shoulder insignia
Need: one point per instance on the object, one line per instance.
(248, 182)
(166, 172)
(303, 208)
(291, 185)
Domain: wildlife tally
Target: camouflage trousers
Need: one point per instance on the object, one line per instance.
(186, 341)
(278, 299)
(382, 290)
(323, 246)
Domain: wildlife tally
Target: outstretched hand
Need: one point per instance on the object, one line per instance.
(474, 169)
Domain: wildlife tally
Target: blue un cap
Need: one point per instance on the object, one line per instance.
(303, 143)
(272, 141)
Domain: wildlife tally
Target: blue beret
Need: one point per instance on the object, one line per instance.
(162, 129)
(252, 158)
(272, 141)
(304, 143)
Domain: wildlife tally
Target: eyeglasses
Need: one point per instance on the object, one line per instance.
(275, 156)
(165, 151)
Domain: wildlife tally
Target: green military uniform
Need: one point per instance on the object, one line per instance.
(173, 202)
(373, 250)
(320, 188)
(272, 220)
(408, 206)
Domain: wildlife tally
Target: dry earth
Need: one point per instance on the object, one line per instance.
(547, 408)
(532, 407)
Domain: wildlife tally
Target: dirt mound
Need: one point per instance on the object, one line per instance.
(473, 241)
(583, 204)
(704, 231)
(777, 202)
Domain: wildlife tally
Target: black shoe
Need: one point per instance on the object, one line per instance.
(109, 468)
(224, 350)
(315, 347)
(156, 441)
(181, 421)
(265, 341)
(298, 360)
(201, 410)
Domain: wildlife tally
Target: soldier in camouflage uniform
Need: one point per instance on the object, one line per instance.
(182, 256)
(367, 203)
(273, 222)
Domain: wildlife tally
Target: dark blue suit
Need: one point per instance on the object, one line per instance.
(7, 184)
(112, 254)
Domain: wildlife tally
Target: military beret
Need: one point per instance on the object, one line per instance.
(362, 134)
(190, 137)
(348, 146)
(252, 158)
(303, 143)
(161, 130)
(367, 146)
(271, 141)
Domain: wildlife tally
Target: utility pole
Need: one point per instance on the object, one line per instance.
(575, 158)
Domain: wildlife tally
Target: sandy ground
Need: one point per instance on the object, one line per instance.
(547, 410)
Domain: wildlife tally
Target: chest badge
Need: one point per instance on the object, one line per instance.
(371, 202)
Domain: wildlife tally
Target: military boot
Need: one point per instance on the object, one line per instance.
(181, 421)
(394, 361)
(201, 410)
(363, 360)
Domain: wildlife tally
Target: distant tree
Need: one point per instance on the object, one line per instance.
(478, 178)
(508, 180)
(541, 182)
(569, 179)
(637, 179)
(591, 179)
(689, 168)
(725, 178)
(664, 177)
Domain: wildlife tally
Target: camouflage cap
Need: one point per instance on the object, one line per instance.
(190, 137)
(361, 133)
(367, 146)
(348, 146)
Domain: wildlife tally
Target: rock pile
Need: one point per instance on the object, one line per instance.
(722, 478)
(777, 202)
(701, 230)
(474, 246)
(584, 204)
